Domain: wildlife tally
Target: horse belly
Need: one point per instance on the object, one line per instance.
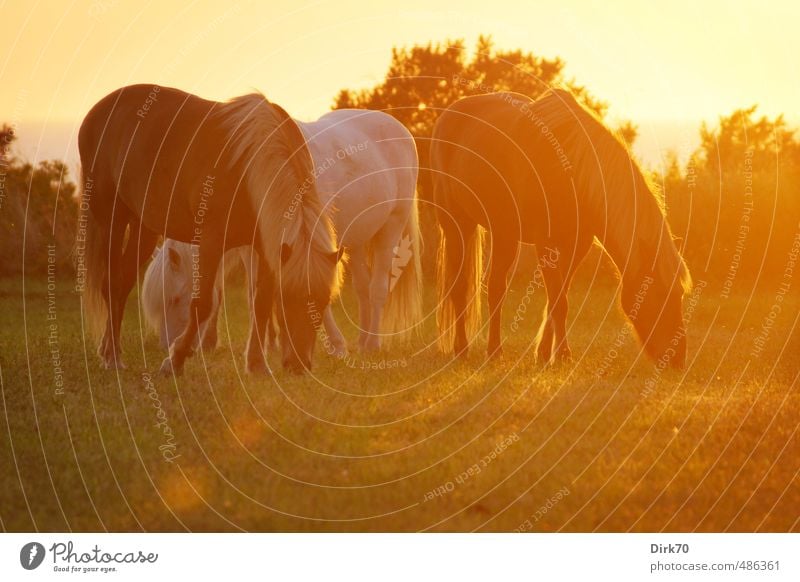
(490, 192)
(359, 192)
(359, 214)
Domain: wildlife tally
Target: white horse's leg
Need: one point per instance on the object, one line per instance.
(378, 293)
(382, 255)
(335, 336)
(208, 331)
(361, 281)
(383, 245)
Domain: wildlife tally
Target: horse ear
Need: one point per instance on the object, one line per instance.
(174, 258)
(296, 141)
(286, 252)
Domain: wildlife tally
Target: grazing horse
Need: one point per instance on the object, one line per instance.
(366, 174)
(167, 295)
(159, 161)
(549, 173)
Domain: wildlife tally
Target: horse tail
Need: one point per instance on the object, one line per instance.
(404, 306)
(459, 265)
(91, 257)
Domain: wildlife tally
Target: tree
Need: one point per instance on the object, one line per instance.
(736, 200)
(7, 137)
(38, 208)
(628, 132)
(424, 80)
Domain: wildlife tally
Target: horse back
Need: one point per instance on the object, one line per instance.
(492, 166)
(366, 168)
(160, 152)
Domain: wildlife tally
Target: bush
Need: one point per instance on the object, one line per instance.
(38, 213)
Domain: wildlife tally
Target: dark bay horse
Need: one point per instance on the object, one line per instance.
(549, 173)
(161, 162)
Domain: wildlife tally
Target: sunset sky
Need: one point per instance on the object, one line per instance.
(666, 67)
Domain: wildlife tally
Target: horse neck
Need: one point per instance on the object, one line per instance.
(629, 222)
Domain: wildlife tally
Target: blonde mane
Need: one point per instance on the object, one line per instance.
(279, 174)
(602, 168)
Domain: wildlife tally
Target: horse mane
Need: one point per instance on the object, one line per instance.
(272, 153)
(602, 167)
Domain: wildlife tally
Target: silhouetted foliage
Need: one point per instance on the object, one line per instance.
(424, 80)
(735, 201)
(38, 213)
(706, 198)
(7, 137)
(628, 131)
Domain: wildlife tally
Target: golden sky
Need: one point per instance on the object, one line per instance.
(661, 64)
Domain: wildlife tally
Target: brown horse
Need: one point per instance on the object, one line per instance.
(161, 162)
(549, 173)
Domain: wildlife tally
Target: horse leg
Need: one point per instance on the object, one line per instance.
(557, 273)
(199, 309)
(560, 310)
(109, 349)
(269, 303)
(544, 337)
(123, 274)
(552, 333)
(138, 250)
(503, 255)
(260, 315)
(272, 319)
(382, 255)
(454, 233)
(558, 316)
(208, 332)
(250, 259)
(253, 265)
(361, 277)
(272, 327)
(335, 335)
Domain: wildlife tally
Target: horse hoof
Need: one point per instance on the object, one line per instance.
(564, 357)
(495, 353)
(113, 364)
(339, 349)
(370, 347)
(167, 369)
(258, 367)
(209, 346)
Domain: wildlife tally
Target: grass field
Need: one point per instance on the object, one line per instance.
(409, 440)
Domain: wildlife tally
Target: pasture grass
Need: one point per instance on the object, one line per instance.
(407, 445)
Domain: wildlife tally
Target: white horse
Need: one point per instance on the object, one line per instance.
(167, 294)
(365, 167)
